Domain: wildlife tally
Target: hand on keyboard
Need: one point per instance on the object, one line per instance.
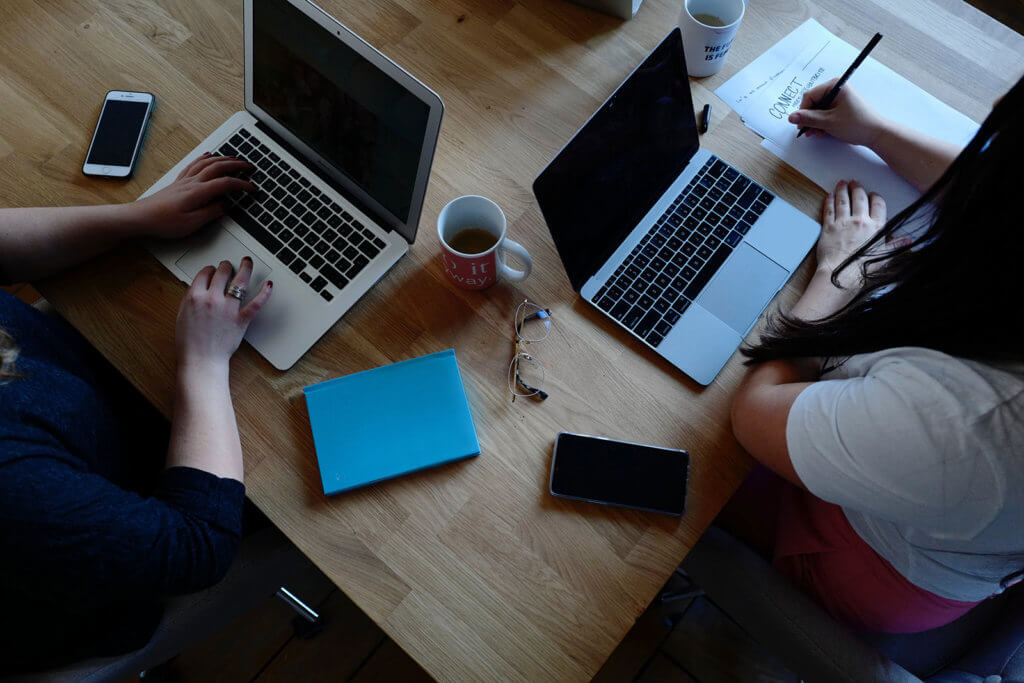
(191, 201)
(317, 238)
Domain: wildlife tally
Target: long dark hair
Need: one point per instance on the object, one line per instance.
(956, 287)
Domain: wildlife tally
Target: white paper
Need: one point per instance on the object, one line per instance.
(829, 160)
(738, 90)
(820, 57)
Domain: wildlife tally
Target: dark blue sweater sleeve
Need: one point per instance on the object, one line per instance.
(74, 532)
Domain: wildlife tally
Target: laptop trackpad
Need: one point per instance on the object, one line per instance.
(743, 287)
(213, 246)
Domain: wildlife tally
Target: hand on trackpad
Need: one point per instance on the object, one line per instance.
(217, 246)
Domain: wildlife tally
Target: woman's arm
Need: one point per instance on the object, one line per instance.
(36, 242)
(210, 327)
(919, 158)
(760, 410)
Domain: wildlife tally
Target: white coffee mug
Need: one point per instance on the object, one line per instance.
(479, 270)
(705, 45)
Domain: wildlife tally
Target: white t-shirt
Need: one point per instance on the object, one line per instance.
(925, 454)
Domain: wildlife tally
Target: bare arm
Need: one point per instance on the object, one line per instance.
(37, 242)
(204, 434)
(919, 158)
(210, 327)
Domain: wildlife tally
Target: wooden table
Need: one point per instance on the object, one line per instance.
(472, 568)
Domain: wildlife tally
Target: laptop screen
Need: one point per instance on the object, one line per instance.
(347, 110)
(620, 163)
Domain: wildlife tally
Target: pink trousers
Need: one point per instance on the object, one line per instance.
(811, 542)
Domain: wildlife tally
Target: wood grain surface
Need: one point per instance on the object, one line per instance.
(472, 568)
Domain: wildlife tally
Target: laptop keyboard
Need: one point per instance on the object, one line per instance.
(670, 266)
(305, 229)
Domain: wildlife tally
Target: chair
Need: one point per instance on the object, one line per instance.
(984, 646)
(266, 561)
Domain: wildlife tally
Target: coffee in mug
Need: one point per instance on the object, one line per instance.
(473, 244)
(708, 19)
(472, 241)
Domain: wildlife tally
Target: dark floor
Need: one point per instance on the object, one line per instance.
(687, 640)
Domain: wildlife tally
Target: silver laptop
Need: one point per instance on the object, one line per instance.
(671, 242)
(342, 140)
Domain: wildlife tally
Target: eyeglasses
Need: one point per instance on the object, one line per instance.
(525, 373)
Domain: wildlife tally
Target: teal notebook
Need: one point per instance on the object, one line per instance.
(390, 421)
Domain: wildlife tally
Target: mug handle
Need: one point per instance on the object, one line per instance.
(519, 251)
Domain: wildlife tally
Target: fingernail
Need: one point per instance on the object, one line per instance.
(794, 118)
(247, 258)
(270, 283)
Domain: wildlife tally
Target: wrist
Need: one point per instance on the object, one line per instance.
(128, 219)
(825, 269)
(195, 372)
(879, 131)
(850, 278)
(822, 298)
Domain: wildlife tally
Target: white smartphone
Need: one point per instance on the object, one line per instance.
(119, 133)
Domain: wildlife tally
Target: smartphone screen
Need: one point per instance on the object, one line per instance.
(619, 473)
(117, 132)
(115, 142)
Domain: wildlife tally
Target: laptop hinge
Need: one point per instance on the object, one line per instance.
(374, 216)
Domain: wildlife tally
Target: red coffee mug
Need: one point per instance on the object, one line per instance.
(479, 271)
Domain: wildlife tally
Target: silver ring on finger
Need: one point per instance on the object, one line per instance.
(235, 292)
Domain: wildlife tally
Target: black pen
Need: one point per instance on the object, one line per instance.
(705, 118)
(831, 95)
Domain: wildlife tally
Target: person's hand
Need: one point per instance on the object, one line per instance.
(193, 200)
(848, 118)
(849, 218)
(211, 324)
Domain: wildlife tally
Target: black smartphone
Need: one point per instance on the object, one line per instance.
(632, 475)
(119, 133)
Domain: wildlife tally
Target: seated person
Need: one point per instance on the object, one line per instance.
(96, 523)
(889, 402)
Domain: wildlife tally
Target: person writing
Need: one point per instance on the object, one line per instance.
(95, 523)
(889, 401)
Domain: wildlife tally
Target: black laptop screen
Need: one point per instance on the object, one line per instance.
(617, 166)
(346, 109)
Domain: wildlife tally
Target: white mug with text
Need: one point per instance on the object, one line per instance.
(708, 28)
(472, 231)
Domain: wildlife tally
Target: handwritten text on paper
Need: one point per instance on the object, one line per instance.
(791, 95)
